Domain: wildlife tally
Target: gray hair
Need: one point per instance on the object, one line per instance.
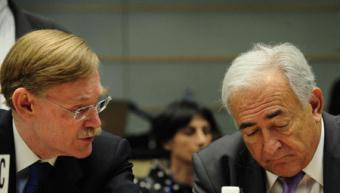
(248, 67)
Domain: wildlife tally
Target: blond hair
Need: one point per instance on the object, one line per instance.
(45, 58)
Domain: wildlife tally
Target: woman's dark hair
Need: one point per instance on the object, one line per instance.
(178, 115)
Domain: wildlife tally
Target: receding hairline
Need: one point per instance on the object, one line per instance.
(285, 56)
(262, 82)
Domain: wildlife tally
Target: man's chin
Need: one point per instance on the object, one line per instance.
(284, 171)
(83, 153)
(283, 167)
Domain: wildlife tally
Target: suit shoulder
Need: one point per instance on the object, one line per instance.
(109, 143)
(36, 22)
(39, 22)
(5, 117)
(108, 137)
(110, 148)
(2, 112)
(226, 146)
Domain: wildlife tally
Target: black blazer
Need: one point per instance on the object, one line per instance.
(334, 102)
(227, 162)
(26, 22)
(106, 170)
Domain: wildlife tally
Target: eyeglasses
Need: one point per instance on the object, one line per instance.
(83, 112)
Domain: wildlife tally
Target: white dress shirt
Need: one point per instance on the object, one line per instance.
(312, 182)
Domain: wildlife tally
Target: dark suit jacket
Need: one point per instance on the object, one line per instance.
(227, 162)
(106, 170)
(26, 22)
(334, 102)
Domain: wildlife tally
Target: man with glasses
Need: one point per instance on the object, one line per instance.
(51, 83)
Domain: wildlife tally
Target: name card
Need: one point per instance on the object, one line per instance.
(4, 173)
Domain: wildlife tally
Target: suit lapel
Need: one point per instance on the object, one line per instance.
(7, 146)
(251, 176)
(331, 161)
(65, 176)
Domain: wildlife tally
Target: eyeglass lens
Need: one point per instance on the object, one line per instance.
(99, 107)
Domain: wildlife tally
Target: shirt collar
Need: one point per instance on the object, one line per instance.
(314, 169)
(24, 155)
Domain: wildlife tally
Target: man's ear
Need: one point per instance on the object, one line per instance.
(22, 102)
(316, 102)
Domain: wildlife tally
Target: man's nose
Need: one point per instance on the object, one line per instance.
(93, 119)
(270, 144)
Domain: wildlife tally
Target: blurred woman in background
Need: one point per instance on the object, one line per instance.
(182, 129)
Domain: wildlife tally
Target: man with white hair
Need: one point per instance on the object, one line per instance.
(285, 140)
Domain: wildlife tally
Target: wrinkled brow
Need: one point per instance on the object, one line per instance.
(268, 116)
(274, 114)
(246, 124)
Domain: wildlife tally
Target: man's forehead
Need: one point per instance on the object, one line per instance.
(87, 95)
(269, 115)
(77, 90)
(254, 100)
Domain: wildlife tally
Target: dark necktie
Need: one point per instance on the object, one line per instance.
(38, 172)
(290, 184)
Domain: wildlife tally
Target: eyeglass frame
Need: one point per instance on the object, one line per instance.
(76, 112)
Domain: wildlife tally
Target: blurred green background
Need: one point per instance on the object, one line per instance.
(157, 51)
